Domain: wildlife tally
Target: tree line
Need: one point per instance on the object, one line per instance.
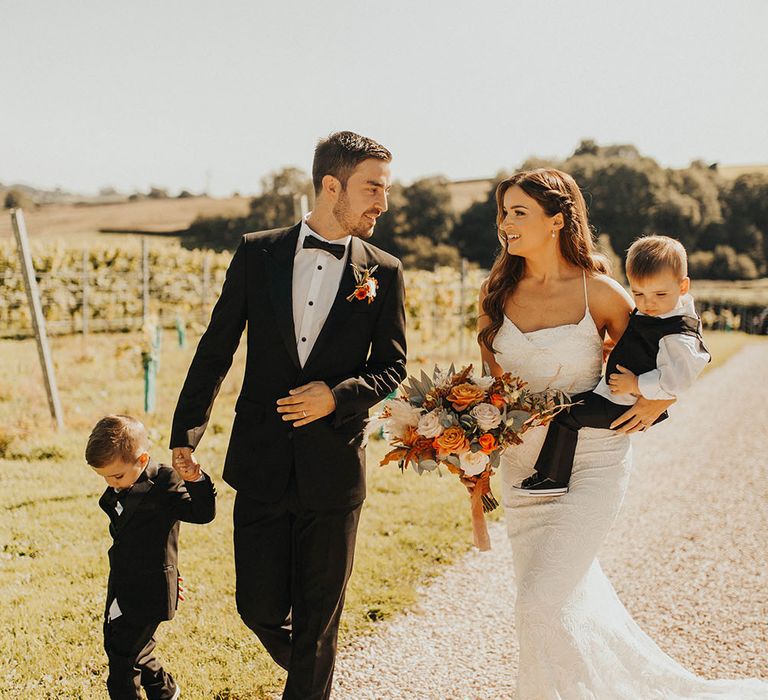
(722, 222)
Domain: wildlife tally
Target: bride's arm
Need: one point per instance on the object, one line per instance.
(482, 321)
(610, 306)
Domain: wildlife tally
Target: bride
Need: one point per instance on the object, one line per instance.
(544, 311)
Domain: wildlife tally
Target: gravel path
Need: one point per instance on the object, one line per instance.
(686, 557)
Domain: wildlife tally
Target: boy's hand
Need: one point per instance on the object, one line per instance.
(623, 382)
(180, 584)
(185, 464)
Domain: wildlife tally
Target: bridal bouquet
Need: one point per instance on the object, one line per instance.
(463, 423)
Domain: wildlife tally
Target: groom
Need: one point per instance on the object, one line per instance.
(325, 319)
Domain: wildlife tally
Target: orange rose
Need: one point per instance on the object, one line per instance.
(487, 443)
(497, 400)
(361, 293)
(452, 440)
(464, 395)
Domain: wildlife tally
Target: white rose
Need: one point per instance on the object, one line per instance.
(487, 416)
(484, 382)
(371, 288)
(429, 425)
(473, 463)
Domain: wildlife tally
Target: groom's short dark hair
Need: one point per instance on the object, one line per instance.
(341, 153)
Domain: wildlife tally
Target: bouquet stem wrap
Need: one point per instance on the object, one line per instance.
(479, 527)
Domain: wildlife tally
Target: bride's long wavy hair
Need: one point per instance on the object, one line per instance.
(556, 192)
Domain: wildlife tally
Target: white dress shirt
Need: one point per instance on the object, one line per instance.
(316, 278)
(680, 359)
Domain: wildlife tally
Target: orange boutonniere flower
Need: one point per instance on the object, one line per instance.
(365, 284)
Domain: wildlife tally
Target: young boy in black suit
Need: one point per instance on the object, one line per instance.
(145, 502)
(659, 356)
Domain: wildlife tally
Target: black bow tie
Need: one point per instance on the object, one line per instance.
(114, 497)
(335, 249)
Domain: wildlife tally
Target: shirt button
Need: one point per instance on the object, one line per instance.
(319, 267)
(303, 340)
(311, 303)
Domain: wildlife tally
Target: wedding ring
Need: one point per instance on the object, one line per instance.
(304, 414)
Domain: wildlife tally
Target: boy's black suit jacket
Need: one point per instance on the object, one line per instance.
(143, 558)
(359, 354)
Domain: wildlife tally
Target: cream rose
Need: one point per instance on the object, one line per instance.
(485, 382)
(429, 425)
(473, 463)
(487, 416)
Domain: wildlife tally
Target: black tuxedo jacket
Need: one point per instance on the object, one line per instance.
(359, 354)
(143, 558)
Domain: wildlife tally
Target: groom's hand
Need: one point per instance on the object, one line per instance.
(307, 403)
(185, 464)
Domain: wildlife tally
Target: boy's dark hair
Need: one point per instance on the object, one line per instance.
(341, 153)
(650, 255)
(116, 437)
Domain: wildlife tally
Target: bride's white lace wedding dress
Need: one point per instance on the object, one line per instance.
(577, 641)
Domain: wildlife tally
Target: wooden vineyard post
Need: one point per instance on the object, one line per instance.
(181, 332)
(206, 283)
(86, 312)
(150, 360)
(36, 312)
(144, 281)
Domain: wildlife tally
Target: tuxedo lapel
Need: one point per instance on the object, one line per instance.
(280, 272)
(136, 495)
(341, 308)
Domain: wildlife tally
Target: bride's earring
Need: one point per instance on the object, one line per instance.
(553, 234)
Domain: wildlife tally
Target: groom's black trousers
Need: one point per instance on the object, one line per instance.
(592, 411)
(292, 566)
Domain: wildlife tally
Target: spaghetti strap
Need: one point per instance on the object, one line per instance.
(586, 298)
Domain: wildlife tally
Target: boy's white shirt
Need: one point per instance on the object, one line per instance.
(114, 611)
(680, 359)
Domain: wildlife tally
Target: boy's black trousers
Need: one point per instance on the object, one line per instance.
(130, 648)
(592, 411)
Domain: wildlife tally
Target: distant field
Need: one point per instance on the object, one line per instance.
(732, 292)
(731, 172)
(151, 215)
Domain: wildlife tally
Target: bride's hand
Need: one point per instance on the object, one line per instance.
(641, 415)
(469, 483)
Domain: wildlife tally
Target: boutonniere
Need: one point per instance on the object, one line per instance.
(365, 283)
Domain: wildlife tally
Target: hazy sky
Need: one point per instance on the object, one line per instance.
(170, 92)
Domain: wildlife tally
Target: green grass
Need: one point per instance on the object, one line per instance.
(53, 536)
